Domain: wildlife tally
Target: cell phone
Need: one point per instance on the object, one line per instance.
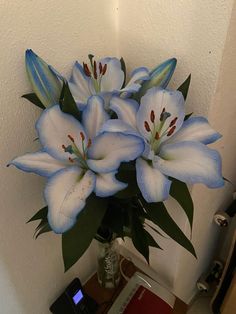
(74, 300)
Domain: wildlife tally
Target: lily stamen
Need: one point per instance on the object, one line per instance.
(171, 131)
(82, 136)
(71, 138)
(86, 70)
(173, 122)
(95, 75)
(147, 127)
(152, 116)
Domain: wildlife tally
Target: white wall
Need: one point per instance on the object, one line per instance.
(195, 33)
(31, 272)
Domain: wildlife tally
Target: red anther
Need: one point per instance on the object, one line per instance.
(104, 69)
(70, 159)
(82, 136)
(163, 110)
(171, 131)
(86, 70)
(100, 68)
(152, 116)
(95, 70)
(147, 127)
(173, 122)
(63, 146)
(157, 136)
(89, 142)
(71, 138)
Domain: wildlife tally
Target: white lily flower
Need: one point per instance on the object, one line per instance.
(77, 160)
(174, 147)
(104, 78)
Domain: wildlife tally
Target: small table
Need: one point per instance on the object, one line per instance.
(106, 297)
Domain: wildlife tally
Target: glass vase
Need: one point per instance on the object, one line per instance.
(108, 264)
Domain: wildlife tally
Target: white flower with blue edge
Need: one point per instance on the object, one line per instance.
(105, 78)
(174, 148)
(77, 160)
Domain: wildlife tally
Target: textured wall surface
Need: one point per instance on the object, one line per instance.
(60, 31)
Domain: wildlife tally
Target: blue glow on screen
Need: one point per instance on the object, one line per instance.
(78, 297)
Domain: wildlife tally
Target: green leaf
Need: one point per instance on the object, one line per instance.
(150, 240)
(185, 87)
(41, 214)
(114, 218)
(45, 228)
(188, 116)
(123, 68)
(159, 215)
(127, 174)
(76, 241)
(138, 235)
(67, 102)
(33, 98)
(179, 191)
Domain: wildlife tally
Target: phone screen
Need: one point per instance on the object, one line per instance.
(78, 297)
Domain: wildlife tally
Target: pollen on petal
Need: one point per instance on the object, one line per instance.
(147, 127)
(70, 159)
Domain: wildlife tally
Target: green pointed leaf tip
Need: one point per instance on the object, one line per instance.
(67, 102)
(179, 191)
(159, 215)
(159, 76)
(184, 88)
(76, 241)
(34, 100)
(41, 214)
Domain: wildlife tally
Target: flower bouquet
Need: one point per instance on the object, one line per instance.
(113, 149)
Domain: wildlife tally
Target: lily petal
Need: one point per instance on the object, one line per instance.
(152, 183)
(53, 128)
(195, 129)
(65, 194)
(110, 149)
(40, 163)
(117, 125)
(126, 109)
(114, 76)
(44, 81)
(190, 162)
(107, 184)
(79, 85)
(138, 75)
(160, 76)
(94, 116)
(157, 99)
